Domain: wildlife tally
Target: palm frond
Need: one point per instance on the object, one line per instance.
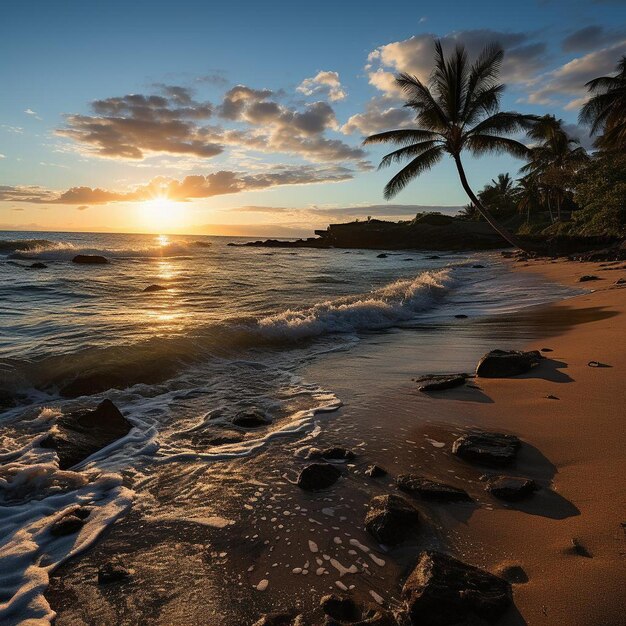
(401, 137)
(485, 144)
(417, 166)
(407, 152)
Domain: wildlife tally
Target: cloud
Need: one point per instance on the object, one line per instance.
(324, 82)
(3, 156)
(566, 84)
(591, 37)
(378, 116)
(32, 114)
(523, 56)
(189, 188)
(82, 207)
(376, 210)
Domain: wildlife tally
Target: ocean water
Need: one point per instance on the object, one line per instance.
(231, 331)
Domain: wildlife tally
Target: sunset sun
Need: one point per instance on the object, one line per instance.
(161, 214)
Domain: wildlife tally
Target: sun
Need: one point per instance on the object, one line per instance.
(160, 214)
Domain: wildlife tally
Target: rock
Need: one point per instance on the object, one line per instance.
(461, 316)
(375, 471)
(112, 573)
(546, 350)
(588, 277)
(443, 591)
(514, 574)
(225, 438)
(83, 512)
(478, 267)
(433, 257)
(337, 454)
(90, 259)
(504, 363)
(38, 266)
(318, 476)
(511, 488)
(431, 490)
(345, 610)
(151, 288)
(279, 618)
(439, 382)
(551, 397)
(67, 525)
(620, 281)
(81, 433)
(382, 256)
(391, 518)
(487, 448)
(579, 549)
(251, 418)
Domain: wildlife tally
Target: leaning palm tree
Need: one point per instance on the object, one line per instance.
(457, 110)
(606, 110)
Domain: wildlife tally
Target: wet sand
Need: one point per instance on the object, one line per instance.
(193, 572)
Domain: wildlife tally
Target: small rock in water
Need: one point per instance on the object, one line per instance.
(431, 490)
(478, 266)
(151, 288)
(588, 277)
(67, 525)
(511, 488)
(382, 256)
(443, 591)
(38, 266)
(338, 454)
(487, 448)
(112, 573)
(461, 316)
(505, 363)
(390, 519)
(438, 382)
(318, 476)
(251, 418)
(224, 438)
(90, 259)
(375, 471)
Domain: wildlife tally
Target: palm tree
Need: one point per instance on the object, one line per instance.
(606, 110)
(458, 110)
(529, 195)
(554, 160)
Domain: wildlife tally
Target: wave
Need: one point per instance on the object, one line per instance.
(14, 245)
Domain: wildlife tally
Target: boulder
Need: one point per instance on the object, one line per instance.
(79, 434)
(251, 418)
(151, 288)
(588, 277)
(391, 518)
(90, 259)
(439, 382)
(112, 573)
(431, 490)
(504, 363)
(443, 591)
(375, 471)
(38, 266)
(487, 448)
(511, 488)
(345, 610)
(318, 476)
(337, 454)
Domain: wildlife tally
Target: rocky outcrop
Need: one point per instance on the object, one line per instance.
(443, 591)
(318, 476)
(431, 490)
(439, 382)
(505, 363)
(79, 434)
(90, 259)
(487, 448)
(391, 519)
(511, 488)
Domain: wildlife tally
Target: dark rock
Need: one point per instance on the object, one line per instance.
(251, 418)
(546, 350)
(551, 397)
(382, 256)
(439, 382)
(443, 591)
(390, 519)
(318, 476)
(151, 288)
(90, 259)
(344, 610)
(478, 267)
(461, 316)
(83, 512)
(224, 439)
(112, 573)
(81, 433)
(337, 454)
(579, 549)
(38, 266)
(620, 281)
(587, 277)
(375, 471)
(504, 363)
(433, 257)
(487, 448)
(279, 618)
(431, 490)
(514, 574)
(511, 488)
(67, 525)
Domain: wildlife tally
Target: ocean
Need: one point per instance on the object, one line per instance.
(233, 328)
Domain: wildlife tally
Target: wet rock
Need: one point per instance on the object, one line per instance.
(225, 439)
(113, 573)
(67, 525)
(514, 574)
(461, 316)
(487, 448)
(579, 549)
(38, 266)
(345, 610)
(546, 350)
(443, 591)
(478, 267)
(439, 382)
(337, 454)
(382, 256)
(588, 277)
(504, 363)
(431, 490)
(318, 476)
(391, 518)
(90, 259)
(81, 433)
(433, 257)
(151, 288)
(251, 418)
(375, 471)
(511, 488)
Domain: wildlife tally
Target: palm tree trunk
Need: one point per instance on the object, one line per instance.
(503, 232)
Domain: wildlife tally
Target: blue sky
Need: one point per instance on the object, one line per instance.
(313, 79)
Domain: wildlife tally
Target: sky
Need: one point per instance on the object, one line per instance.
(247, 118)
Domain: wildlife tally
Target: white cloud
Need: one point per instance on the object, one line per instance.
(324, 82)
(379, 115)
(32, 113)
